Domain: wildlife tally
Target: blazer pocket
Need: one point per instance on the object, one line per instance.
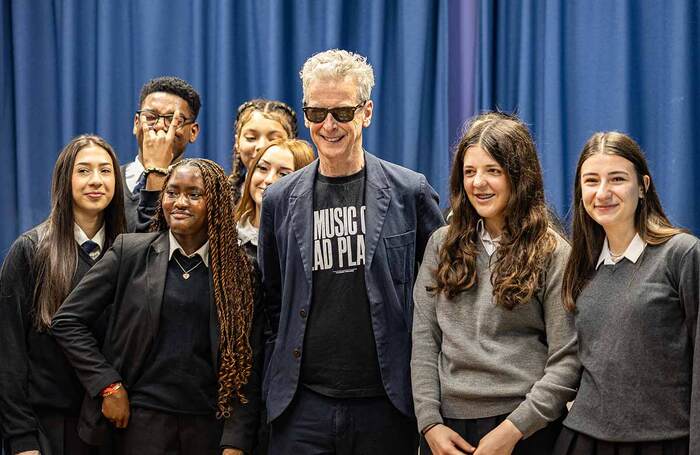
(400, 255)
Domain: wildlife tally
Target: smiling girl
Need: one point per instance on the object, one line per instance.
(281, 157)
(40, 395)
(258, 122)
(176, 373)
(633, 283)
(494, 352)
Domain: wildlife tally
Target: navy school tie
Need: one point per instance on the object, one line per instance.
(140, 184)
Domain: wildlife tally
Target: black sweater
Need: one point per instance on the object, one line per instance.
(34, 372)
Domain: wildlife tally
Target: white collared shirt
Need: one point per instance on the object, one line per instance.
(247, 232)
(132, 173)
(99, 238)
(203, 251)
(632, 253)
(490, 244)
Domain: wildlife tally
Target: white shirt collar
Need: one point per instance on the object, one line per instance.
(490, 244)
(99, 238)
(132, 173)
(203, 251)
(247, 233)
(632, 253)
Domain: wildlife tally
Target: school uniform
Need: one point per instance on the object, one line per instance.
(140, 204)
(40, 394)
(161, 344)
(475, 364)
(637, 324)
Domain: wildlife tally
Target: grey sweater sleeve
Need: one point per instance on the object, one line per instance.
(689, 291)
(545, 401)
(427, 339)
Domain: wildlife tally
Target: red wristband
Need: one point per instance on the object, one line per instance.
(110, 389)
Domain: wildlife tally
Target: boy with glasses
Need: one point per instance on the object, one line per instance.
(164, 125)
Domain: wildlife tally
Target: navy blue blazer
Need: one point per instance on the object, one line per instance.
(402, 211)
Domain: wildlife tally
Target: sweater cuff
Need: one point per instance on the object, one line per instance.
(428, 418)
(526, 419)
(23, 443)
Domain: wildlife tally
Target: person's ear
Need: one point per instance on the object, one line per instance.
(367, 109)
(194, 132)
(647, 181)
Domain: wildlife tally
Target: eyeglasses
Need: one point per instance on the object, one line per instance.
(340, 114)
(152, 118)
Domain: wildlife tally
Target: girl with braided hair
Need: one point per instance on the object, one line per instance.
(258, 122)
(179, 369)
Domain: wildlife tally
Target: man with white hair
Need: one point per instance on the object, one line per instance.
(338, 248)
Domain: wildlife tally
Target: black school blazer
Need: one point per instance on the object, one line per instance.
(130, 280)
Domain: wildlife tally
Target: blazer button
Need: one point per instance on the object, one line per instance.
(296, 353)
(302, 313)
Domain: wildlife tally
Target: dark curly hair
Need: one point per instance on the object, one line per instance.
(233, 279)
(176, 86)
(527, 241)
(271, 109)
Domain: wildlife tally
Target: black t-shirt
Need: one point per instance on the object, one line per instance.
(340, 354)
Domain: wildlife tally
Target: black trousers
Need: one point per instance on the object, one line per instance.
(59, 435)
(160, 433)
(315, 424)
(472, 430)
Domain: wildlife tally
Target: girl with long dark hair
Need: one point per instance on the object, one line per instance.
(633, 284)
(176, 373)
(494, 352)
(40, 395)
(258, 122)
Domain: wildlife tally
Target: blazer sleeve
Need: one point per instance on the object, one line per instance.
(241, 428)
(146, 209)
(19, 423)
(548, 396)
(427, 343)
(268, 261)
(689, 292)
(81, 309)
(429, 216)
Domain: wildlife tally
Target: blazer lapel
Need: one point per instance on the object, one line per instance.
(377, 199)
(301, 206)
(156, 270)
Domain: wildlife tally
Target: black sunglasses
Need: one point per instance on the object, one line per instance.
(151, 118)
(340, 114)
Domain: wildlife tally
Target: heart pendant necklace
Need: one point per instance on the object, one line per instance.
(186, 273)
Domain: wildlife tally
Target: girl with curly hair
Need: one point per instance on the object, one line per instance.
(494, 352)
(176, 372)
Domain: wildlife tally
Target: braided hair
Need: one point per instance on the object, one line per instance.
(233, 280)
(270, 109)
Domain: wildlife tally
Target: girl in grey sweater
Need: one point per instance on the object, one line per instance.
(494, 352)
(633, 282)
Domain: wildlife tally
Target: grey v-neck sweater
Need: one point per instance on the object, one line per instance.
(472, 358)
(638, 343)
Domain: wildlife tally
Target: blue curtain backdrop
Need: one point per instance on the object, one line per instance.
(76, 66)
(572, 68)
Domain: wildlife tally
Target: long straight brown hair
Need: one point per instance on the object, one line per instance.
(57, 251)
(587, 238)
(526, 242)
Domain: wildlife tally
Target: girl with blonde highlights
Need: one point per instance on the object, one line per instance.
(494, 352)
